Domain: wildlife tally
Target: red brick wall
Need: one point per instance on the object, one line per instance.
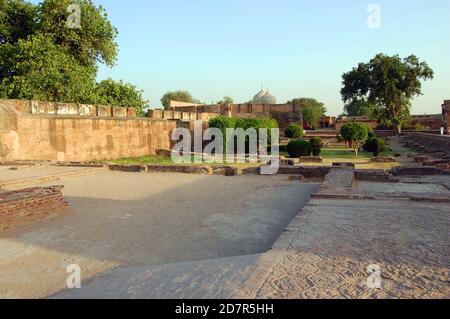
(29, 205)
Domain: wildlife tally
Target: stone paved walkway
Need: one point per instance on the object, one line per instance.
(330, 245)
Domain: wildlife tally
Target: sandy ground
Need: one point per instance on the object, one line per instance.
(147, 220)
(10, 173)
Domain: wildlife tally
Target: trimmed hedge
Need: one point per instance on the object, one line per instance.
(299, 148)
(224, 122)
(375, 145)
(316, 145)
(293, 131)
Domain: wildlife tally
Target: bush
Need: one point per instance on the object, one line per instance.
(224, 122)
(375, 145)
(316, 145)
(293, 131)
(299, 148)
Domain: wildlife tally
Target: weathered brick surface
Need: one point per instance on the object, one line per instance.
(30, 205)
(307, 172)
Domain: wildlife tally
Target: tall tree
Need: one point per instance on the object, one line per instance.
(181, 96)
(35, 68)
(226, 100)
(17, 20)
(110, 92)
(390, 83)
(312, 110)
(92, 42)
(360, 108)
(44, 57)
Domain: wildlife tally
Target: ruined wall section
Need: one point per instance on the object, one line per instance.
(31, 130)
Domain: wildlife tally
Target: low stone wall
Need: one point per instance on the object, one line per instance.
(74, 109)
(307, 171)
(430, 141)
(184, 116)
(29, 205)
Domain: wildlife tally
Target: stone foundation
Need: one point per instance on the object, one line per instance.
(311, 159)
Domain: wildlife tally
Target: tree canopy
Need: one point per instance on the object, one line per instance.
(226, 100)
(110, 92)
(43, 57)
(359, 107)
(180, 96)
(389, 83)
(312, 110)
(356, 134)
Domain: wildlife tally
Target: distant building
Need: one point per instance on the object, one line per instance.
(427, 122)
(264, 97)
(358, 119)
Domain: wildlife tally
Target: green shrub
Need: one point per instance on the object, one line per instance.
(299, 148)
(375, 145)
(293, 131)
(355, 134)
(316, 145)
(224, 122)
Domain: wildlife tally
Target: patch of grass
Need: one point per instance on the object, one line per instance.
(148, 159)
(167, 160)
(349, 153)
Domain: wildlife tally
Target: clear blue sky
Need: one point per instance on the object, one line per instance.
(297, 48)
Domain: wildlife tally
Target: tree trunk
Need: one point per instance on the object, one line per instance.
(397, 128)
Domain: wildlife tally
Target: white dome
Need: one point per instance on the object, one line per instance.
(257, 98)
(269, 99)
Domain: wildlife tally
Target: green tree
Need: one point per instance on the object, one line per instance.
(359, 107)
(36, 68)
(42, 57)
(17, 20)
(312, 110)
(293, 131)
(110, 92)
(94, 42)
(180, 96)
(390, 83)
(356, 134)
(226, 100)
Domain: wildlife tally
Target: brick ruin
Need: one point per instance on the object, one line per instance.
(29, 205)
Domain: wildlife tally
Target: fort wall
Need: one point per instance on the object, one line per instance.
(31, 130)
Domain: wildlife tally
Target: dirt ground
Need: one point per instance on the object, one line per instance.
(136, 220)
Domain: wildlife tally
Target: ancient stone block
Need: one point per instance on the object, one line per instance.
(66, 108)
(119, 111)
(383, 159)
(104, 110)
(87, 110)
(416, 171)
(311, 159)
(131, 112)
